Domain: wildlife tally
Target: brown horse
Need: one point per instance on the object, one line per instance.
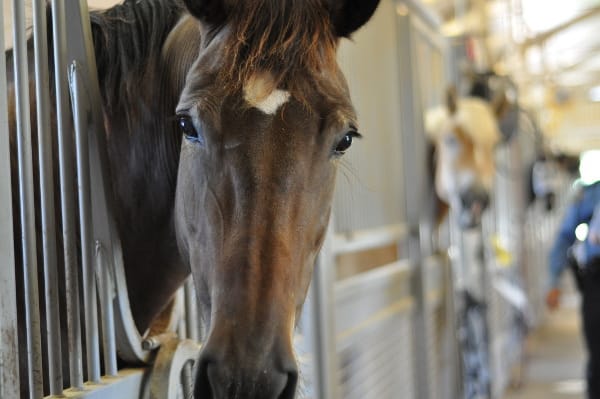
(225, 122)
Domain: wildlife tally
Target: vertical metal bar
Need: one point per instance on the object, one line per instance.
(67, 187)
(188, 380)
(80, 116)
(9, 354)
(191, 311)
(419, 241)
(107, 293)
(323, 310)
(26, 197)
(44, 131)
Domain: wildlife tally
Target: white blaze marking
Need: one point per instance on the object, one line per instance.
(260, 94)
(271, 104)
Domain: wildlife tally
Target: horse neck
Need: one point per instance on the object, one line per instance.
(139, 99)
(139, 102)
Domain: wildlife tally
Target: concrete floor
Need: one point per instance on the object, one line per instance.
(556, 359)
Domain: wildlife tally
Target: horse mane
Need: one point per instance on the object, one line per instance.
(138, 97)
(285, 38)
(127, 38)
(474, 116)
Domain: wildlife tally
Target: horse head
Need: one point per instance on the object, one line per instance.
(464, 134)
(265, 116)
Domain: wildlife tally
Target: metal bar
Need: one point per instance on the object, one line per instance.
(26, 198)
(9, 353)
(80, 116)
(44, 131)
(420, 224)
(191, 311)
(130, 383)
(187, 377)
(172, 356)
(107, 293)
(323, 311)
(363, 240)
(67, 187)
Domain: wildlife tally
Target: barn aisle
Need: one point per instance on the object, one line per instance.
(556, 359)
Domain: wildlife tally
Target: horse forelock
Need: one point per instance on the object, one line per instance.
(287, 39)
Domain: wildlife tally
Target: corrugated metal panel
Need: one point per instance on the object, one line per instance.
(374, 334)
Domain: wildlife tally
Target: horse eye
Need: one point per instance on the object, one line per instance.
(345, 142)
(186, 125)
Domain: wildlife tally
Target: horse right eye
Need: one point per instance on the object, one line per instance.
(186, 125)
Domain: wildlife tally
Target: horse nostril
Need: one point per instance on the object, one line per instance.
(289, 390)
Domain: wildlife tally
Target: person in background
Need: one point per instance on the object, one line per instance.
(544, 181)
(585, 259)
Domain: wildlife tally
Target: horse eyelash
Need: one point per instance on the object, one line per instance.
(174, 117)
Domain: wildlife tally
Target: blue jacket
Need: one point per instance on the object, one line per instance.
(581, 210)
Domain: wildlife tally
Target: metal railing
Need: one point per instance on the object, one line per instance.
(89, 264)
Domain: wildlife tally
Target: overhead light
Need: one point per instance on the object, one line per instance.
(594, 94)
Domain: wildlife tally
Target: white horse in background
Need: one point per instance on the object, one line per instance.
(463, 134)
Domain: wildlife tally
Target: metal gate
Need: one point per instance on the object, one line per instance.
(382, 325)
(85, 273)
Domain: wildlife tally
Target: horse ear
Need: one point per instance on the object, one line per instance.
(349, 15)
(451, 100)
(213, 12)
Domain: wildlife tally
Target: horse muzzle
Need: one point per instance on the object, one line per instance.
(474, 201)
(264, 376)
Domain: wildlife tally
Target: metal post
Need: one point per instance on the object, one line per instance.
(107, 294)
(44, 130)
(192, 331)
(189, 329)
(67, 187)
(323, 310)
(9, 359)
(414, 168)
(191, 311)
(80, 116)
(26, 197)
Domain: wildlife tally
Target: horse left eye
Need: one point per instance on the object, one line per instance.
(345, 142)
(186, 125)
